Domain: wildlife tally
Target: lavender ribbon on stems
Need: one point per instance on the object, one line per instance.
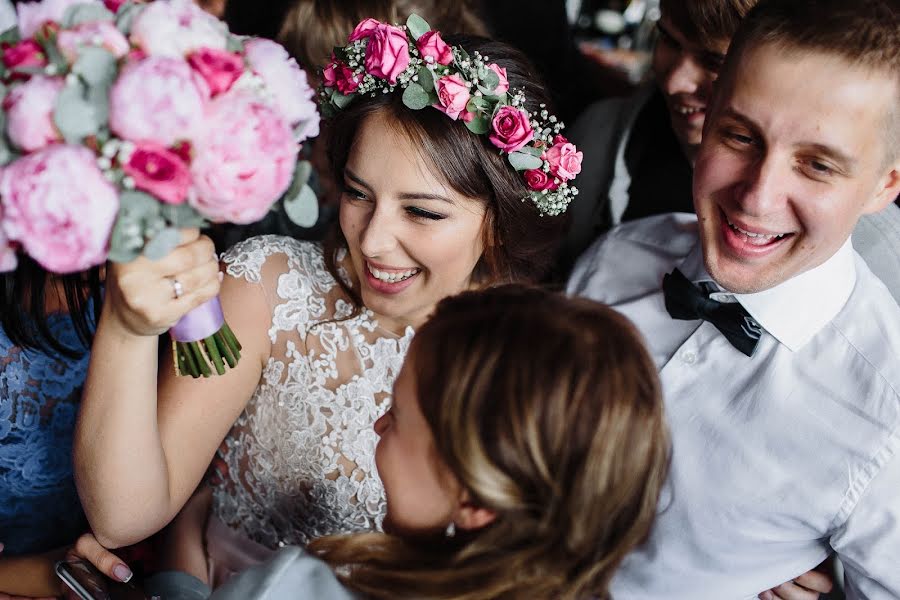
(202, 340)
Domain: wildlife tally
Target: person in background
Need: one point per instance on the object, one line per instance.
(522, 457)
(47, 323)
(778, 348)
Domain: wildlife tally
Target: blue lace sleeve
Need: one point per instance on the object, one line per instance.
(39, 396)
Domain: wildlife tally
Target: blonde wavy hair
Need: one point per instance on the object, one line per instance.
(312, 28)
(548, 411)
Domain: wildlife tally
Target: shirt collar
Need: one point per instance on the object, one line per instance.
(796, 310)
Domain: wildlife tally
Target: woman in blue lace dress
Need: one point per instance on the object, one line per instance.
(46, 326)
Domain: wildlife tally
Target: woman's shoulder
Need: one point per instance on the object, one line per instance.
(290, 573)
(252, 257)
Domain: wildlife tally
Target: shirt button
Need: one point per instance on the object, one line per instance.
(688, 357)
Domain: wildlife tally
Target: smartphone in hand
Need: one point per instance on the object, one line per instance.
(88, 583)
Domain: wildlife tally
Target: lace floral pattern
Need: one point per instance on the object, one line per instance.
(300, 460)
(39, 395)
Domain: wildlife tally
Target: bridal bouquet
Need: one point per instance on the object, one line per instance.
(122, 122)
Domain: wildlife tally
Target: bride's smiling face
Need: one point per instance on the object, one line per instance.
(413, 239)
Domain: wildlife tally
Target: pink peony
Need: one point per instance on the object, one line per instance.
(453, 95)
(175, 28)
(342, 77)
(31, 15)
(511, 129)
(29, 113)
(244, 161)
(158, 100)
(564, 159)
(220, 69)
(64, 227)
(431, 45)
(503, 86)
(387, 53)
(287, 83)
(364, 29)
(538, 180)
(160, 172)
(26, 53)
(102, 33)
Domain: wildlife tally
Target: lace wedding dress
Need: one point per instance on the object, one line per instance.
(299, 462)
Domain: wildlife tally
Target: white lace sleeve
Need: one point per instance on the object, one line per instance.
(300, 458)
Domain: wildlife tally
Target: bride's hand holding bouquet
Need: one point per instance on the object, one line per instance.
(124, 123)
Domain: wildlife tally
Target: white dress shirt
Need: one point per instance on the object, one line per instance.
(778, 458)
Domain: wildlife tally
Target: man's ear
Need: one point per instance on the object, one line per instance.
(469, 516)
(887, 191)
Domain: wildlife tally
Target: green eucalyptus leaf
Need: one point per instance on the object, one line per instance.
(462, 57)
(433, 98)
(304, 170)
(75, 117)
(340, 100)
(531, 150)
(521, 161)
(96, 66)
(415, 97)
(477, 104)
(7, 155)
(491, 80)
(86, 13)
(126, 15)
(162, 243)
(234, 43)
(417, 26)
(125, 243)
(182, 215)
(479, 125)
(426, 79)
(303, 209)
(139, 206)
(11, 36)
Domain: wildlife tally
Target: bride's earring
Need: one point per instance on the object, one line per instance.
(451, 530)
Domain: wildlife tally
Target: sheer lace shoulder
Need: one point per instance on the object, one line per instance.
(299, 461)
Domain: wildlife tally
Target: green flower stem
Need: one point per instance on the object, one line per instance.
(198, 359)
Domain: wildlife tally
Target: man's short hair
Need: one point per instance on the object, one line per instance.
(709, 22)
(865, 33)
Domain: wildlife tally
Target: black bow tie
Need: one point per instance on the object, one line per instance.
(685, 301)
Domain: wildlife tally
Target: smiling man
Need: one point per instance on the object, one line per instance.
(778, 349)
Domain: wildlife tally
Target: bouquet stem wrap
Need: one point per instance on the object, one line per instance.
(203, 341)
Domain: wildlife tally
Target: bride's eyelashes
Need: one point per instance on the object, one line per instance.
(352, 192)
(420, 213)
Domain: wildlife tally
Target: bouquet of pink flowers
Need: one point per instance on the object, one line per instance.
(122, 122)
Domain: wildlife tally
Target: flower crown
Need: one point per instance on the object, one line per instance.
(381, 57)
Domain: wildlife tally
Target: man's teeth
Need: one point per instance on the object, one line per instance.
(762, 236)
(684, 110)
(391, 276)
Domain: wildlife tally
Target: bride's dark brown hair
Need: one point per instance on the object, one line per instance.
(547, 410)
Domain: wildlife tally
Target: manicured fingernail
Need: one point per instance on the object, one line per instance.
(122, 573)
(221, 276)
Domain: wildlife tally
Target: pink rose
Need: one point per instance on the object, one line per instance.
(158, 100)
(431, 45)
(287, 84)
(387, 53)
(102, 33)
(564, 159)
(244, 160)
(64, 227)
(114, 5)
(29, 113)
(503, 86)
(160, 172)
(31, 15)
(538, 180)
(220, 69)
(453, 95)
(511, 129)
(26, 53)
(364, 29)
(175, 28)
(342, 77)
